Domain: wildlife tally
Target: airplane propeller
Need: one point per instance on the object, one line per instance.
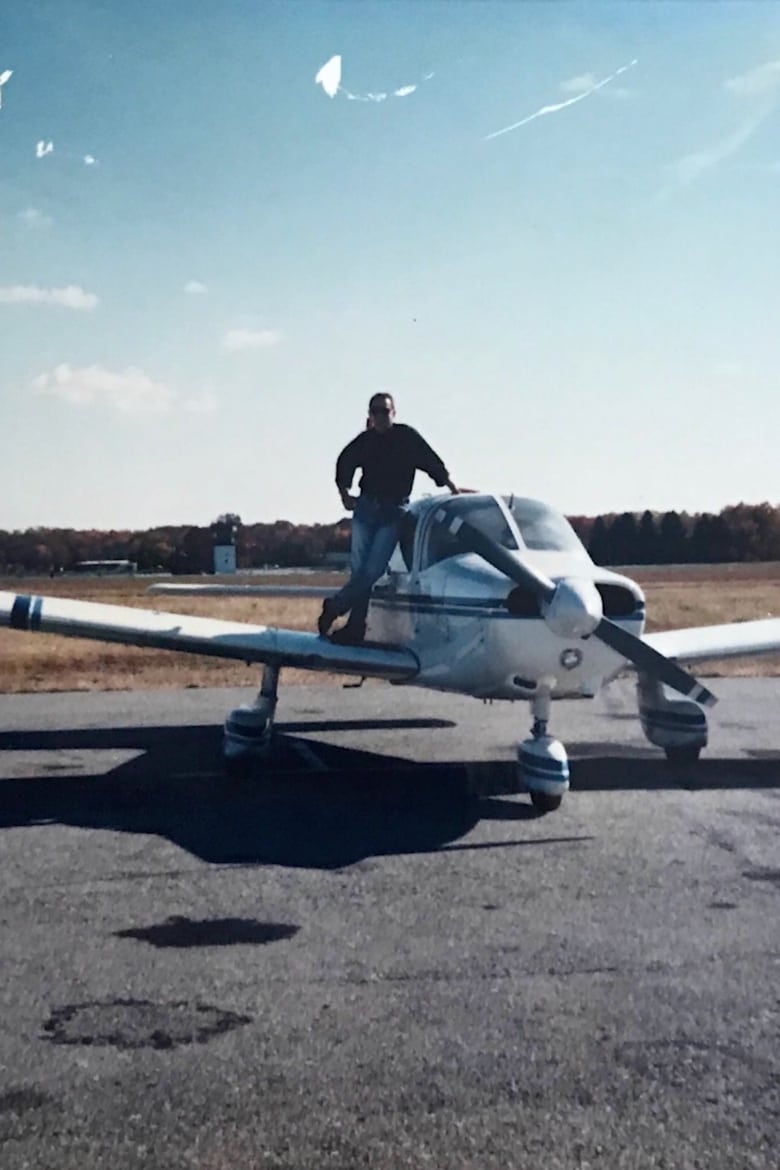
(583, 621)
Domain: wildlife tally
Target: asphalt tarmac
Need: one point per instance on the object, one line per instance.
(351, 960)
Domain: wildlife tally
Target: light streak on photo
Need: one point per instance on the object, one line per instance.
(553, 109)
(43, 148)
(364, 97)
(329, 77)
(5, 76)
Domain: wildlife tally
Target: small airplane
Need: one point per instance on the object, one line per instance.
(485, 595)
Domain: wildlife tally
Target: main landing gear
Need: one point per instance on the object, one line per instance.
(679, 726)
(249, 728)
(542, 760)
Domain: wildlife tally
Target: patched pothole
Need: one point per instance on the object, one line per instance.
(210, 932)
(139, 1023)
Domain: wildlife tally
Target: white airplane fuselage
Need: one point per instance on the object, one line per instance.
(453, 615)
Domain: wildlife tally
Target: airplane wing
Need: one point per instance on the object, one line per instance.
(734, 640)
(197, 635)
(194, 590)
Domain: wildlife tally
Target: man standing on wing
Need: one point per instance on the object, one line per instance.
(389, 453)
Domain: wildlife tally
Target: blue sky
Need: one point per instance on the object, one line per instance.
(216, 263)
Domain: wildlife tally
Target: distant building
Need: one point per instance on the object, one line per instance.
(224, 532)
(224, 558)
(104, 568)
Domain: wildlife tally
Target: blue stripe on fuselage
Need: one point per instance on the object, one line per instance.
(493, 607)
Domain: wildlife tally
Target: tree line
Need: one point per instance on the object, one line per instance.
(740, 532)
(173, 548)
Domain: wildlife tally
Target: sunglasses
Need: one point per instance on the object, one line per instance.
(380, 410)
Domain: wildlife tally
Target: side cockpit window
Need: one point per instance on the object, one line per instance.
(483, 512)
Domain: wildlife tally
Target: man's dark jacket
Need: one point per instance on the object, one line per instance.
(389, 462)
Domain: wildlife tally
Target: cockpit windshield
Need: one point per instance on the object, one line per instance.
(481, 511)
(541, 527)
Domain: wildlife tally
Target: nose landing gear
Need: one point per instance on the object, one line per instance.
(542, 760)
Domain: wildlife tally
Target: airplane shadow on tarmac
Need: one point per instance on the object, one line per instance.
(313, 804)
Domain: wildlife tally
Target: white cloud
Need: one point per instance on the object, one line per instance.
(90, 160)
(32, 217)
(763, 79)
(43, 148)
(70, 297)
(236, 339)
(579, 83)
(203, 403)
(195, 287)
(692, 165)
(129, 391)
(761, 87)
(729, 369)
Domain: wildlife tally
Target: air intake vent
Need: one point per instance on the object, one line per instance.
(617, 601)
(523, 602)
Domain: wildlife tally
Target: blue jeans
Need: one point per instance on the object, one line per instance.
(375, 528)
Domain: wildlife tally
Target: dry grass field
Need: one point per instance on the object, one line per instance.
(686, 595)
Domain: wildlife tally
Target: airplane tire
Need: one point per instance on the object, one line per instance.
(238, 767)
(544, 802)
(683, 754)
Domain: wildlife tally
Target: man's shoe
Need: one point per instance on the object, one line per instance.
(349, 636)
(326, 618)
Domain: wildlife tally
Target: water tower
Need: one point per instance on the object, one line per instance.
(224, 532)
